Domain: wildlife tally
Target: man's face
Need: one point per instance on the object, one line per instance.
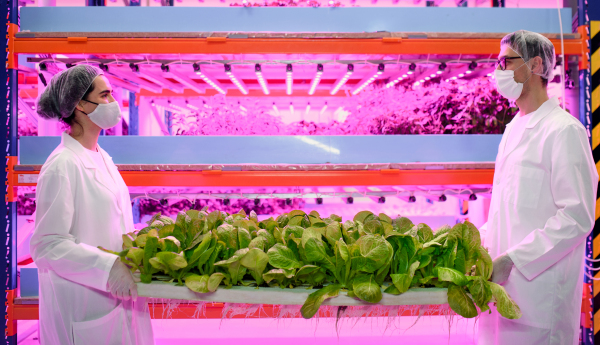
(522, 73)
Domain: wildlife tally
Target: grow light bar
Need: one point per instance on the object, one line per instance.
(289, 79)
(482, 71)
(261, 79)
(342, 80)
(178, 109)
(316, 80)
(461, 194)
(429, 74)
(403, 74)
(185, 80)
(369, 79)
(158, 79)
(136, 80)
(323, 109)
(191, 106)
(239, 83)
(215, 84)
(461, 72)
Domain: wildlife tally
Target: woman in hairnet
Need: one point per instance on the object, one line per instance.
(543, 203)
(87, 296)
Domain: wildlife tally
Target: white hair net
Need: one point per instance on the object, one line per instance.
(531, 44)
(65, 90)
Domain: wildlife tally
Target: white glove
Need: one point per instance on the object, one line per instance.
(502, 267)
(120, 282)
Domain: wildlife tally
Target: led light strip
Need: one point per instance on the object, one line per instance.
(431, 73)
(177, 108)
(261, 79)
(317, 79)
(235, 81)
(343, 80)
(323, 109)
(207, 79)
(441, 194)
(463, 73)
(401, 76)
(191, 106)
(289, 79)
(380, 69)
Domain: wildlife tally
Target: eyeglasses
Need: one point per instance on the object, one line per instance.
(502, 61)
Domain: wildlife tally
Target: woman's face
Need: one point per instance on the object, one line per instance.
(102, 94)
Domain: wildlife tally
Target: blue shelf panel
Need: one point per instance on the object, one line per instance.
(289, 19)
(281, 149)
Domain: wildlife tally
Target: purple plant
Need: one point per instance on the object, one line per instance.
(26, 127)
(266, 206)
(25, 204)
(221, 116)
(458, 107)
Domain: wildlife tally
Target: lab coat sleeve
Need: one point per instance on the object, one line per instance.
(483, 232)
(573, 182)
(54, 248)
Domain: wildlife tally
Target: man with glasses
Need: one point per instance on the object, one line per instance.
(543, 203)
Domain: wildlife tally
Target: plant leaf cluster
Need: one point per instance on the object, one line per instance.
(365, 258)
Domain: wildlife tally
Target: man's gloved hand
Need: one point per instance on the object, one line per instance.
(120, 282)
(502, 267)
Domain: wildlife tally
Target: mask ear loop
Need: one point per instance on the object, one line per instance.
(526, 62)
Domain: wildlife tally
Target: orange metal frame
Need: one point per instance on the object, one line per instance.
(11, 323)
(307, 178)
(12, 60)
(72, 45)
(218, 178)
(11, 192)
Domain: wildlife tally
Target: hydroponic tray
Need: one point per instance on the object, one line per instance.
(288, 167)
(278, 296)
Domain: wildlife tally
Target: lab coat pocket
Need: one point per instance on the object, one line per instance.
(110, 329)
(526, 186)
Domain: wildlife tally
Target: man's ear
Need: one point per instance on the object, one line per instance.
(537, 65)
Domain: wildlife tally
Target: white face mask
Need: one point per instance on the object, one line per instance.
(506, 84)
(106, 115)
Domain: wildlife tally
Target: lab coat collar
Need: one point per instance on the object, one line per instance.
(88, 163)
(534, 118)
(542, 111)
(79, 150)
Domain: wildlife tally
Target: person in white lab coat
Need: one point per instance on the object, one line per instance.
(87, 296)
(543, 203)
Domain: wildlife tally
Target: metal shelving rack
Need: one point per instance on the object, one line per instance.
(227, 43)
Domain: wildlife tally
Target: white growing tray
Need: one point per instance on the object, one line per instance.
(278, 296)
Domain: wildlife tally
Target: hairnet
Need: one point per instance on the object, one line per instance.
(531, 44)
(65, 90)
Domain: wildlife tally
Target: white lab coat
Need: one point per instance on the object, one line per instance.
(79, 208)
(542, 209)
